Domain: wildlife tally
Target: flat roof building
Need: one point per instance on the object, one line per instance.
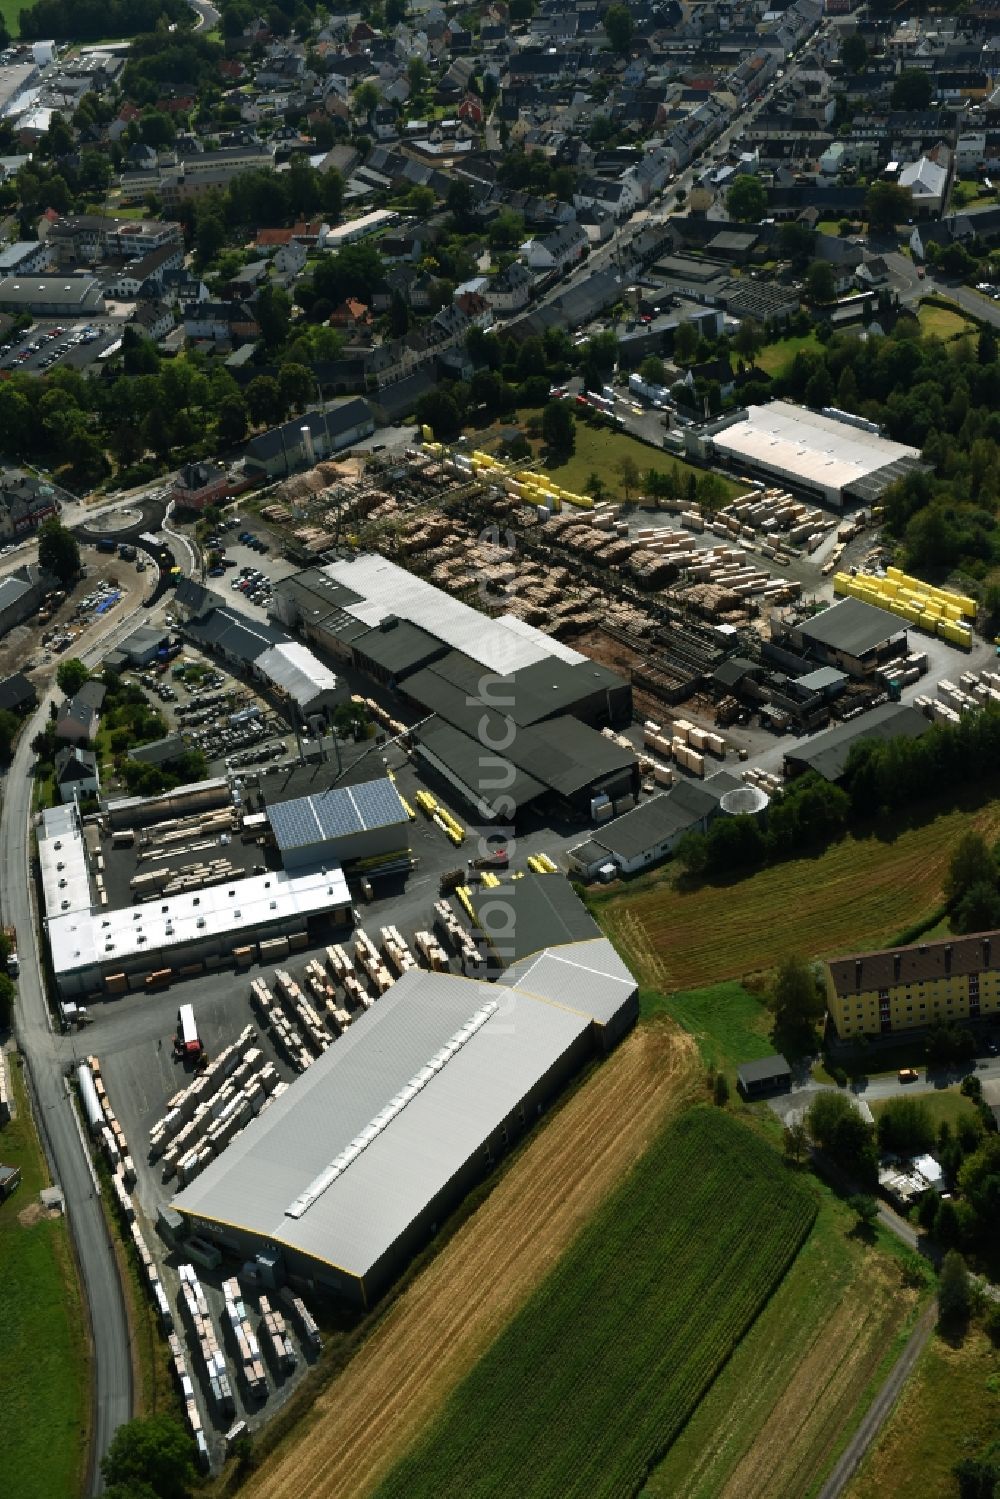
(88, 945)
(352, 1169)
(814, 454)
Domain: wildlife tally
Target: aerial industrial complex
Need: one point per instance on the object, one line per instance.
(355, 1167)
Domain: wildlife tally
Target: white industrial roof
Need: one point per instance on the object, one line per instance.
(295, 669)
(501, 645)
(341, 1165)
(63, 860)
(81, 939)
(802, 444)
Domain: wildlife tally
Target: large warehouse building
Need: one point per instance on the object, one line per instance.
(503, 707)
(357, 1165)
(822, 456)
(102, 945)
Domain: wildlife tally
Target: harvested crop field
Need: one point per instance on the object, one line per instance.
(858, 894)
(367, 1417)
(771, 1424)
(597, 1375)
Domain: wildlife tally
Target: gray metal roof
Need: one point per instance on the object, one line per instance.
(587, 976)
(853, 626)
(12, 589)
(763, 1069)
(465, 759)
(336, 813)
(829, 752)
(423, 1099)
(531, 913)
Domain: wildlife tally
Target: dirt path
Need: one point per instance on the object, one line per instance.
(371, 1413)
(881, 1407)
(794, 1443)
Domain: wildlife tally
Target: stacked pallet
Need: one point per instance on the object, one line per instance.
(396, 950)
(243, 1340)
(285, 1037)
(195, 1308)
(276, 1339)
(368, 956)
(219, 1119)
(431, 951)
(305, 1013)
(456, 936)
(308, 1331)
(192, 1415)
(182, 1107)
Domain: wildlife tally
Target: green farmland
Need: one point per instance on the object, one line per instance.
(595, 1378)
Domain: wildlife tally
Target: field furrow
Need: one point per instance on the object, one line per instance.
(363, 1421)
(594, 1379)
(859, 893)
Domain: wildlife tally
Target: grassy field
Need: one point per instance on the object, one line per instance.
(597, 1375)
(43, 1346)
(945, 1105)
(942, 323)
(600, 452)
(950, 1409)
(777, 356)
(11, 10)
(857, 894)
(729, 1024)
(770, 1422)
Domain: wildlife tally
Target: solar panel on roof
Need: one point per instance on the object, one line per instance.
(336, 813)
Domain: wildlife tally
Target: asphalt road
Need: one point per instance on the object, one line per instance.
(111, 1381)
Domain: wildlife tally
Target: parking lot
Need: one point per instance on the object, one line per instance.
(244, 563)
(225, 718)
(47, 343)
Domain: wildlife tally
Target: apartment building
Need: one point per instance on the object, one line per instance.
(901, 988)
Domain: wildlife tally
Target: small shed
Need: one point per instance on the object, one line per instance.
(10, 1178)
(765, 1075)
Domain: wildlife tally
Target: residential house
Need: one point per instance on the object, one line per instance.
(198, 485)
(78, 716)
(24, 503)
(873, 272)
(556, 251)
(154, 319)
(510, 290)
(18, 694)
(351, 315)
(77, 773)
(290, 259)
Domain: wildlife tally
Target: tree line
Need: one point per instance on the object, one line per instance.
(941, 397)
(89, 20)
